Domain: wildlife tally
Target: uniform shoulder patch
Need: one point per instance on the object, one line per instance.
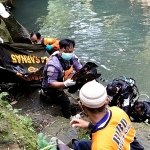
(50, 70)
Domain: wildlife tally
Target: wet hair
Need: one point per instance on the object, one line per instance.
(66, 43)
(111, 90)
(38, 35)
(140, 105)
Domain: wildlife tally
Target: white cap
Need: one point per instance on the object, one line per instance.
(93, 94)
(3, 11)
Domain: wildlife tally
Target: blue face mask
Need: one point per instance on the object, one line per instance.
(66, 56)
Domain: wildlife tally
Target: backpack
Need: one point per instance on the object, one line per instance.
(128, 85)
(87, 73)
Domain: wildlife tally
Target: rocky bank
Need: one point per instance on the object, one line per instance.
(47, 118)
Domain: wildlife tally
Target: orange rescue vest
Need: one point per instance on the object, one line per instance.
(52, 41)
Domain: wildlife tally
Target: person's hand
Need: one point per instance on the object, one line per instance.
(79, 123)
(48, 47)
(69, 82)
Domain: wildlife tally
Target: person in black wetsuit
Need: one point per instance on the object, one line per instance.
(140, 111)
(122, 93)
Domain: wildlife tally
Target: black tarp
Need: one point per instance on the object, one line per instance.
(22, 63)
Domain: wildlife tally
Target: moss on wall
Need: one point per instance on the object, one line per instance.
(15, 128)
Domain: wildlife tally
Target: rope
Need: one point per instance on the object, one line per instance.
(144, 95)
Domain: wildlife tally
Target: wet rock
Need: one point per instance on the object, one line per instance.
(142, 134)
(11, 30)
(48, 119)
(17, 32)
(61, 129)
(4, 127)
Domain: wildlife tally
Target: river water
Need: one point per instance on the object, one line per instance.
(115, 34)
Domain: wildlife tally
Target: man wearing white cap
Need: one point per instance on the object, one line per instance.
(111, 127)
(3, 14)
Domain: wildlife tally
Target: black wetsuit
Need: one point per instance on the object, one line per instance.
(125, 93)
(143, 116)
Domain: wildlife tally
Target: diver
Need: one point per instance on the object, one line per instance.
(140, 112)
(123, 92)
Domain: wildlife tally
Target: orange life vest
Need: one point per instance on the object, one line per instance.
(52, 41)
(68, 73)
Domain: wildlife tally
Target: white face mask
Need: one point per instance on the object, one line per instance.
(66, 56)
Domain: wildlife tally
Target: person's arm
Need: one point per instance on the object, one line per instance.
(76, 63)
(59, 85)
(114, 100)
(55, 45)
(53, 75)
(79, 123)
(49, 41)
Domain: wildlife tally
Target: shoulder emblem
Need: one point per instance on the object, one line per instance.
(50, 70)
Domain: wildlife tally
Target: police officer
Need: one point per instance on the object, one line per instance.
(54, 71)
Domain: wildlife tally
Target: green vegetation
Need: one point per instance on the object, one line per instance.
(15, 128)
(43, 144)
(83, 134)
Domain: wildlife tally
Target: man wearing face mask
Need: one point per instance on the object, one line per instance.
(49, 43)
(54, 72)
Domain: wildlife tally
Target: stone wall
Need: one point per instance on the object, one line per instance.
(10, 29)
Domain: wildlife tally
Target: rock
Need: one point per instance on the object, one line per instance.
(5, 35)
(17, 32)
(11, 30)
(142, 134)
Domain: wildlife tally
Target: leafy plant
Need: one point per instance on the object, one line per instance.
(43, 144)
(83, 134)
(3, 94)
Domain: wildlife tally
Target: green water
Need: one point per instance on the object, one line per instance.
(115, 34)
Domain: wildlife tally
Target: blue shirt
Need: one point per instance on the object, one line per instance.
(53, 70)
